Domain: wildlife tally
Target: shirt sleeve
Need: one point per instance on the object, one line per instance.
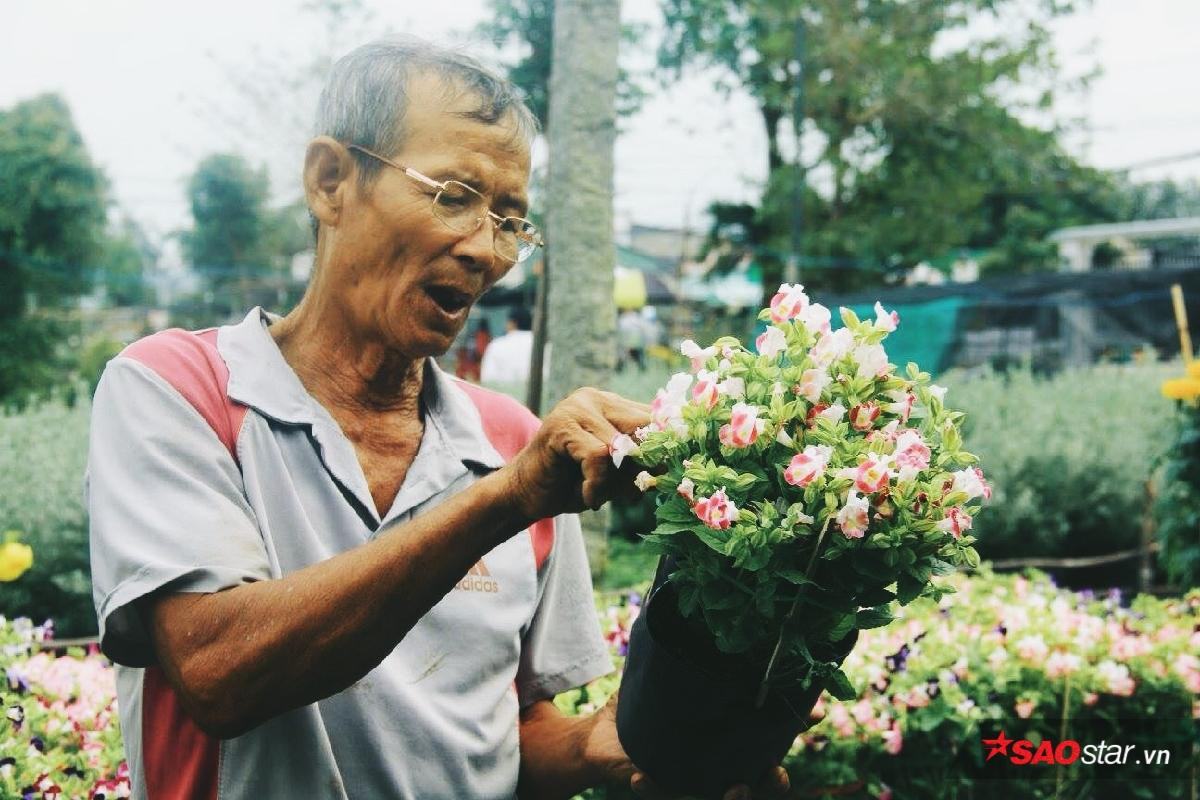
(166, 506)
(562, 647)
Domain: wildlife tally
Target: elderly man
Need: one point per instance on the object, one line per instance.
(324, 568)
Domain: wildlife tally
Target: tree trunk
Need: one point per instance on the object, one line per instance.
(579, 198)
(771, 115)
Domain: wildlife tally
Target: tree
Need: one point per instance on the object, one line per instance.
(903, 108)
(579, 219)
(52, 213)
(529, 25)
(227, 241)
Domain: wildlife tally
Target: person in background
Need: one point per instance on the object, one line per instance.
(506, 359)
(631, 334)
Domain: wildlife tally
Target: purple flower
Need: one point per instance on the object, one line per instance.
(37, 744)
(896, 661)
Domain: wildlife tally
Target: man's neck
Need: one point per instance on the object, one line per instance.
(343, 372)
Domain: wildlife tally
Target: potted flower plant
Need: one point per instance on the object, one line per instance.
(802, 487)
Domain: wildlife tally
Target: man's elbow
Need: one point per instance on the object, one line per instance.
(215, 699)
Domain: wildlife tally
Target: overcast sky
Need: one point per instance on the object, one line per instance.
(151, 85)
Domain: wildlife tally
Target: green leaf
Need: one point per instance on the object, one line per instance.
(908, 588)
(796, 577)
(839, 686)
(874, 618)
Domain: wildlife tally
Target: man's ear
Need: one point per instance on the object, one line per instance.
(328, 170)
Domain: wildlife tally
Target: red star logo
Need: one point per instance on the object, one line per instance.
(999, 746)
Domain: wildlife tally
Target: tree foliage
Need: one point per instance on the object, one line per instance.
(52, 212)
(914, 122)
(228, 200)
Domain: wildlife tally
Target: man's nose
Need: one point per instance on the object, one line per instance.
(477, 249)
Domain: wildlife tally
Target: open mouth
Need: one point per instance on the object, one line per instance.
(449, 299)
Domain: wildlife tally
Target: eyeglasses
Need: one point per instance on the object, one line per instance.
(463, 209)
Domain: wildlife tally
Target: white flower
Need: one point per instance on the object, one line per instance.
(733, 387)
(622, 445)
(771, 342)
(697, 354)
(834, 413)
(938, 391)
(885, 320)
(687, 489)
(816, 318)
(645, 481)
(832, 346)
(812, 383)
(872, 360)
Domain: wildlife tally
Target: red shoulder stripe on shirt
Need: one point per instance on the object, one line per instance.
(180, 761)
(509, 426)
(191, 363)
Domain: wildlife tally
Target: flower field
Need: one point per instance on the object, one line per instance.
(60, 734)
(1007, 651)
(1003, 652)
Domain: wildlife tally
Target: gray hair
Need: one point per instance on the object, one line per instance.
(365, 97)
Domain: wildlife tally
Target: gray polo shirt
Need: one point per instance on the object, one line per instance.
(211, 466)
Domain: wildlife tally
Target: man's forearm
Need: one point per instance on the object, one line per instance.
(244, 655)
(558, 756)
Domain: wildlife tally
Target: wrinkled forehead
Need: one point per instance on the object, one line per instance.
(447, 106)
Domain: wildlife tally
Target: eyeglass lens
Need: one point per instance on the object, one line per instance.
(462, 209)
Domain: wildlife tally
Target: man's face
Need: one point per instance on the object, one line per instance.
(400, 275)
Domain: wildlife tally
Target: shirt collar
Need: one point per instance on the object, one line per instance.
(260, 377)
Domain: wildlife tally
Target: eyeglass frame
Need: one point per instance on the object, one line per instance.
(495, 218)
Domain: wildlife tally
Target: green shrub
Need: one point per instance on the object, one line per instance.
(1069, 458)
(43, 454)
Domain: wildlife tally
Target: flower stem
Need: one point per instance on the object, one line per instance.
(763, 687)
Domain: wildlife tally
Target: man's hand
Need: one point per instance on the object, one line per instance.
(567, 467)
(604, 748)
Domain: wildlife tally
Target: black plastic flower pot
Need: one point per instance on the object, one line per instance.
(686, 714)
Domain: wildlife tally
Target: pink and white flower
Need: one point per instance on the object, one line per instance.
(716, 511)
(833, 413)
(771, 342)
(971, 483)
(807, 466)
(1115, 677)
(871, 475)
(697, 354)
(1032, 648)
(863, 416)
(1061, 663)
(852, 517)
(743, 428)
(788, 303)
(885, 320)
(704, 393)
(911, 455)
(955, 522)
(901, 405)
(1024, 708)
(812, 383)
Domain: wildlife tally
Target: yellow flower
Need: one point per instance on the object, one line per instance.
(1181, 388)
(15, 558)
(1193, 369)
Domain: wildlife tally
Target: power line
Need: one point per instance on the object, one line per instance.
(1158, 162)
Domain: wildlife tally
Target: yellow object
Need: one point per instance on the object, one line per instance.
(1181, 322)
(1193, 370)
(1181, 388)
(15, 558)
(629, 288)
